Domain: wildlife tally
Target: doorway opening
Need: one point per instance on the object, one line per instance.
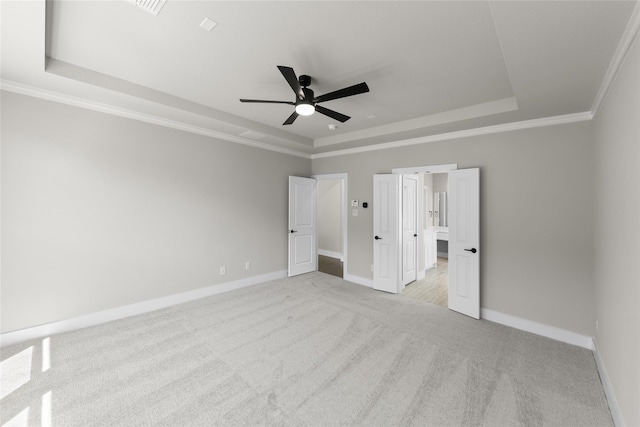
(464, 235)
(332, 223)
(432, 283)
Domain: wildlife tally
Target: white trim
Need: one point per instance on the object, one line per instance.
(487, 130)
(425, 169)
(470, 112)
(358, 280)
(630, 33)
(422, 274)
(147, 118)
(330, 254)
(15, 337)
(616, 414)
(552, 332)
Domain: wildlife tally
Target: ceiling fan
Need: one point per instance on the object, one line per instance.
(306, 102)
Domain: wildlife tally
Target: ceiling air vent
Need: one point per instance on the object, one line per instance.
(151, 6)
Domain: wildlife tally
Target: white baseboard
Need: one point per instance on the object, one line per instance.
(330, 254)
(358, 280)
(41, 331)
(538, 328)
(616, 414)
(421, 274)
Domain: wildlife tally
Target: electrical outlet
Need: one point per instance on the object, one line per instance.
(247, 265)
(223, 271)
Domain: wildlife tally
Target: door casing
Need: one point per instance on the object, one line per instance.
(444, 168)
(409, 229)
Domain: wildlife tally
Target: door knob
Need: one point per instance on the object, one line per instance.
(378, 238)
(293, 231)
(415, 235)
(472, 250)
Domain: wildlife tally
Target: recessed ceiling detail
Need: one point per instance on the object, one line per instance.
(251, 134)
(439, 68)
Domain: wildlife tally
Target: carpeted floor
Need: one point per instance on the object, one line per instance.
(307, 351)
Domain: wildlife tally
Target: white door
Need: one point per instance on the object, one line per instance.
(409, 229)
(386, 232)
(303, 256)
(464, 241)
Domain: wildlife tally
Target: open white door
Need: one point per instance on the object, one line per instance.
(303, 257)
(409, 229)
(464, 241)
(386, 232)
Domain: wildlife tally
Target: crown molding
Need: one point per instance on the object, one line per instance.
(471, 112)
(148, 118)
(507, 127)
(135, 115)
(629, 35)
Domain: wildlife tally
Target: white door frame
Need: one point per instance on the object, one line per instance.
(302, 226)
(406, 280)
(426, 169)
(387, 235)
(430, 169)
(464, 242)
(344, 177)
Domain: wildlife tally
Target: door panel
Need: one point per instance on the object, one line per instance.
(464, 241)
(386, 227)
(409, 228)
(303, 256)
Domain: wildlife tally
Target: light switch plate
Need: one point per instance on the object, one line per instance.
(354, 212)
(354, 203)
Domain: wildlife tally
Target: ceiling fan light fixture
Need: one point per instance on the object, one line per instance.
(306, 102)
(305, 109)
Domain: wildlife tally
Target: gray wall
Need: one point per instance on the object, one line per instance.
(536, 216)
(100, 211)
(617, 235)
(330, 215)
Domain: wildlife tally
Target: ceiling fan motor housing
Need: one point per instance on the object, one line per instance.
(304, 80)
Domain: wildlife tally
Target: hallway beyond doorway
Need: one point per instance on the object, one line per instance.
(328, 265)
(434, 287)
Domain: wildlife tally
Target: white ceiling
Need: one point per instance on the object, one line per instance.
(431, 66)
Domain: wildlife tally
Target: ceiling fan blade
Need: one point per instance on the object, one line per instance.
(342, 93)
(333, 114)
(268, 102)
(291, 119)
(290, 77)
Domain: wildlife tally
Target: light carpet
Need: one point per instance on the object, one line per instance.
(313, 350)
